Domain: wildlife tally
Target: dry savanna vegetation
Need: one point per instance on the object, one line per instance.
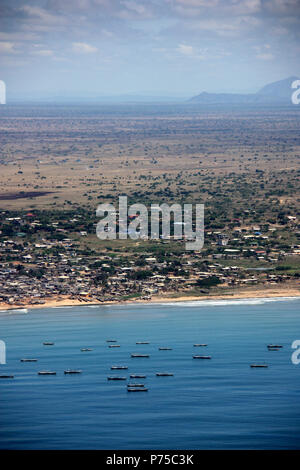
(59, 162)
(60, 156)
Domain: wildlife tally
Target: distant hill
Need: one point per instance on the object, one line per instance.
(277, 92)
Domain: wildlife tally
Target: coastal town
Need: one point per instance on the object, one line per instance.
(149, 230)
(58, 256)
(58, 165)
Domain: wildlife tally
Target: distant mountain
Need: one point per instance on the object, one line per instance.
(277, 92)
(220, 98)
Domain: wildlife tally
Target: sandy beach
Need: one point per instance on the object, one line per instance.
(262, 292)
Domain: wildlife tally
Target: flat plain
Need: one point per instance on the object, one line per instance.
(59, 162)
(56, 155)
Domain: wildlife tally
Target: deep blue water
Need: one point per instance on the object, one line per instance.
(208, 404)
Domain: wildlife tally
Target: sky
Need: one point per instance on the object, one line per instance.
(90, 48)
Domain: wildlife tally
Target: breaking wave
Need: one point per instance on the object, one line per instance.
(224, 303)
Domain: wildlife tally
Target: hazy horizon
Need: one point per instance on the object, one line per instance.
(167, 48)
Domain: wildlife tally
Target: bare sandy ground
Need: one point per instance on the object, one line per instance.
(282, 291)
(241, 295)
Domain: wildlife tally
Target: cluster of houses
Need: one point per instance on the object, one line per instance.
(36, 269)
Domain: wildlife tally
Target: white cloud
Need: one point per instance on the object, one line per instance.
(7, 47)
(43, 52)
(263, 52)
(220, 28)
(42, 16)
(245, 7)
(83, 48)
(133, 10)
(229, 27)
(137, 8)
(279, 30)
(192, 52)
(282, 6)
(229, 7)
(265, 56)
(107, 33)
(40, 20)
(17, 36)
(10, 61)
(198, 3)
(185, 49)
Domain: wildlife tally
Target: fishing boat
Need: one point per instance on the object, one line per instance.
(142, 342)
(114, 346)
(165, 349)
(86, 349)
(135, 385)
(259, 366)
(140, 355)
(7, 376)
(72, 371)
(48, 343)
(28, 360)
(46, 372)
(277, 346)
(133, 389)
(199, 345)
(111, 340)
(201, 357)
(116, 378)
(164, 374)
(119, 367)
(137, 376)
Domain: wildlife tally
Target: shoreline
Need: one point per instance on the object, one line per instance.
(241, 294)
